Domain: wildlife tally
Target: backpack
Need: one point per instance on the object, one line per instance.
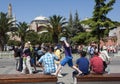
(91, 51)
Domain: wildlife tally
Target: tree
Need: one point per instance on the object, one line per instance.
(77, 26)
(99, 22)
(101, 9)
(74, 28)
(5, 25)
(74, 25)
(45, 37)
(70, 21)
(22, 31)
(57, 24)
(32, 36)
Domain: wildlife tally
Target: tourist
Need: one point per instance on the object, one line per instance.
(26, 59)
(96, 63)
(68, 57)
(48, 61)
(17, 57)
(33, 58)
(83, 64)
(58, 52)
(20, 51)
(91, 49)
(104, 55)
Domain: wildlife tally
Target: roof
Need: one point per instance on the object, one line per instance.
(40, 18)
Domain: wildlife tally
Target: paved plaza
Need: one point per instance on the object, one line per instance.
(7, 66)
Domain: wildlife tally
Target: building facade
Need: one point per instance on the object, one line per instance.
(39, 23)
(118, 35)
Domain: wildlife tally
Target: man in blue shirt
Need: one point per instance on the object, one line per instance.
(83, 64)
(47, 61)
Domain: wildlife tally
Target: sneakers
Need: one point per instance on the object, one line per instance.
(22, 72)
(82, 74)
(59, 75)
(35, 71)
(53, 74)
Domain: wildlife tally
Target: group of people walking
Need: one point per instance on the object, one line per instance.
(26, 57)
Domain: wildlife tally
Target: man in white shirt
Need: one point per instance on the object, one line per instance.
(105, 57)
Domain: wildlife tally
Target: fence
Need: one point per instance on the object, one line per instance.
(6, 54)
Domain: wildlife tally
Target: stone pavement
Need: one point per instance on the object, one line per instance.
(7, 66)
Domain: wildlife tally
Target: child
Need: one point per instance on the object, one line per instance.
(68, 57)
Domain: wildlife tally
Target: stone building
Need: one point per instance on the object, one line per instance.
(118, 35)
(39, 23)
(113, 39)
(13, 18)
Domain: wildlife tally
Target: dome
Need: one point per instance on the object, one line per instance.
(40, 18)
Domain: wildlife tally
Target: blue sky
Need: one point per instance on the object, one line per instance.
(27, 10)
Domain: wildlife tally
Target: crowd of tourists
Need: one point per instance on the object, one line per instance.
(48, 57)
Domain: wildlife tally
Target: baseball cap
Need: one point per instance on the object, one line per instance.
(62, 38)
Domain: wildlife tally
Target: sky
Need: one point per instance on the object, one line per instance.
(27, 10)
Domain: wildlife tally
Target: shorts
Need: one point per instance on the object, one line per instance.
(67, 60)
(32, 61)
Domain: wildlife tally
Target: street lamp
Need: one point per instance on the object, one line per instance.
(99, 32)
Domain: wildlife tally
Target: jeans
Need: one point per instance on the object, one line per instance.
(17, 62)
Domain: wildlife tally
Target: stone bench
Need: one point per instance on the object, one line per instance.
(112, 78)
(27, 79)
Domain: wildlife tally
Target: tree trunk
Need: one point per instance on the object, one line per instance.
(55, 38)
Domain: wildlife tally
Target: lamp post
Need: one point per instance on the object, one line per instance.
(99, 36)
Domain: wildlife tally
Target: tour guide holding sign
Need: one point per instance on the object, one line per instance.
(68, 57)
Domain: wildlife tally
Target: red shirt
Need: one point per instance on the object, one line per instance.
(96, 64)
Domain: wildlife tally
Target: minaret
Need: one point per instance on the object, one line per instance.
(9, 11)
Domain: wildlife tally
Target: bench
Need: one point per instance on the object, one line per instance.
(27, 79)
(112, 78)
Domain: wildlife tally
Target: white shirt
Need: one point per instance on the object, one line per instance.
(104, 55)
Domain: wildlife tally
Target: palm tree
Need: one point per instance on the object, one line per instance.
(5, 25)
(33, 37)
(57, 24)
(22, 31)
